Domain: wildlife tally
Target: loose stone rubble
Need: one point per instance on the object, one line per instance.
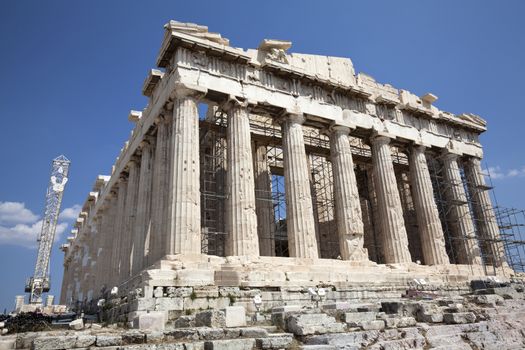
(480, 320)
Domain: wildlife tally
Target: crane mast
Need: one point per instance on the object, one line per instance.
(40, 283)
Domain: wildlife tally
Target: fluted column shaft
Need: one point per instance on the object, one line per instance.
(126, 256)
(142, 222)
(107, 247)
(241, 219)
(464, 243)
(393, 231)
(264, 204)
(160, 192)
(347, 204)
(487, 224)
(429, 224)
(299, 210)
(184, 229)
(118, 232)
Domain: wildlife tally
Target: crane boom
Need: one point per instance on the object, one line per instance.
(39, 283)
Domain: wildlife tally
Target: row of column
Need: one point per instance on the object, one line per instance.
(154, 209)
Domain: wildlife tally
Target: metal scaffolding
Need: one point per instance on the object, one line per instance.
(267, 133)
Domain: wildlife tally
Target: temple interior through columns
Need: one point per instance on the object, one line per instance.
(248, 166)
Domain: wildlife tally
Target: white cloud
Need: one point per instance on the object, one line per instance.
(497, 173)
(70, 213)
(15, 213)
(20, 226)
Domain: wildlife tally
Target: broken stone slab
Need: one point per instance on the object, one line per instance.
(253, 332)
(206, 333)
(54, 342)
(376, 325)
(459, 317)
(305, 324)
(77, 324)
(275, 341)
(490, 300)
(108, 340)
(235, 316)
(354, 318)
(85, 340)
(210, 318)
(398, 322)
(153, 321)
(230, 344)
(318, 347)
(181, 334)
(184, 322)
(133, 337)
(433, 317)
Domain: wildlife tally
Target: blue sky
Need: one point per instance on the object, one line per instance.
(71, 70)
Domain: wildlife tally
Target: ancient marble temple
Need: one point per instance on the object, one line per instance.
(271, 170)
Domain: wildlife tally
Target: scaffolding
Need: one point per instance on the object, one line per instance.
(267, 133)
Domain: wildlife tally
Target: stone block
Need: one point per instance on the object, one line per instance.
(184, 322)
(375, 325)
(210, 318)
(154, 337)
(230, 344)
(108, 340)
(434, 317)
(77, 324)
(153, 321)
(194, 345)
(275, 341)
(206, 333)
(253, 332)
(306, 324)
(181, 334)
(206, 292)
(169, 304)
(85, 340)
(235, 316)
(230, 291)
(133, 337)
(142, 304)
(399, 322)
(488, 300)
(354, 318)
(459, 317)
(7, 344)
(54, 342)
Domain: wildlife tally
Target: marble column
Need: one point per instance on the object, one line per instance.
(393, 231)
(488, 229)
(347, 204)
(184, 226)
(464, 242)
(142, 222)
(159, 192)
(299, 209)
(429, 224)
(126, 256)
(119, 230)
(241, 219)
(106, 248)
(264, 204)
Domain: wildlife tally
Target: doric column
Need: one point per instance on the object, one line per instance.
(464, 243)
(184, 226)
(142, 219)
(264, 204)
(130, 211)
(104, 253)
(393, 231)
(347, 204)
(299, 211)
(160, 192)
(119, 231)
(486, 222)
(241, 219)
(429, 224)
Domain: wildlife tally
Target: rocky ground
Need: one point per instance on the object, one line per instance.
(492, 318)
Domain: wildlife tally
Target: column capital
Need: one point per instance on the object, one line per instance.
(233, 102)
(339, 129)
(146, 142)
(295, 118)
(380, 139)
(419, 148)
(448, 155)
(189, 91)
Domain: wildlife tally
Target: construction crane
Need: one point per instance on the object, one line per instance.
(39, 283)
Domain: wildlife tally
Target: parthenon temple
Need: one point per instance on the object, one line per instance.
(271, 170)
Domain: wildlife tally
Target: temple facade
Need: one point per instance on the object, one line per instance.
(267, 169)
